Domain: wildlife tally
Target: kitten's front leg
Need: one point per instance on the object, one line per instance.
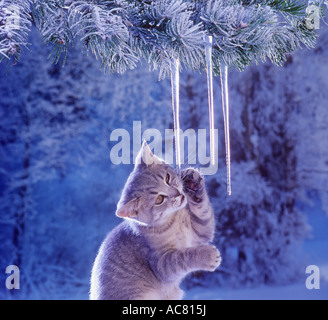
(176, 264)
(199, 207)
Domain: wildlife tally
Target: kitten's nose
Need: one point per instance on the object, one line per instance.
(177, 193)
(181, 199)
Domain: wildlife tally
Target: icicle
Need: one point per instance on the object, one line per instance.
(225, 107)
(175, 84)
(209, 71)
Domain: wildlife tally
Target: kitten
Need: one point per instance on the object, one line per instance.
(168, 225)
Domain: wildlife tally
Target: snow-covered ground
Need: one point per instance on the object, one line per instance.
(296, 291)
(317, 255)
(314, 252)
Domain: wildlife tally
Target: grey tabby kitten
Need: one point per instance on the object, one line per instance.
(168, 225)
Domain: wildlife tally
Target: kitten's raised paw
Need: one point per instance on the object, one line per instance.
(193, 184)
(211, 257)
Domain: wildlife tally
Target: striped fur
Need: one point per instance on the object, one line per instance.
(148, 255)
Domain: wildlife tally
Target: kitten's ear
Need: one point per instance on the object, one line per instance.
(129, 210)
(146, 157)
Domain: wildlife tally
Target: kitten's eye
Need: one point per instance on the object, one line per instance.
(167, 179)
(160, 199)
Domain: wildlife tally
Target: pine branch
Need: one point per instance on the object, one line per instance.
(291, 7)
(51, 18)
(14, 28)
(102, 29)
(165, 31)
(121, 32)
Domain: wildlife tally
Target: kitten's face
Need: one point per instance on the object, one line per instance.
(163, 195)
(155, 190)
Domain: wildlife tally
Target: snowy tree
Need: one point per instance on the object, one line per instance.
(38, 125)
(58, 186)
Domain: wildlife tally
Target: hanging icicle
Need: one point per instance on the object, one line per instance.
(225, 108)
(209, 71)
(175, 84)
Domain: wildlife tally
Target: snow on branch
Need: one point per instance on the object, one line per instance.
(122, 32)
(14, 27)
